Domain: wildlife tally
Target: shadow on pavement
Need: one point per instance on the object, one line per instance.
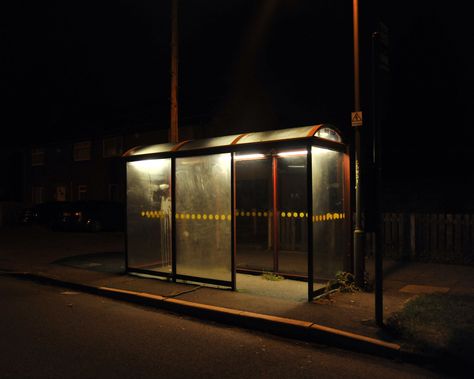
(110, 262)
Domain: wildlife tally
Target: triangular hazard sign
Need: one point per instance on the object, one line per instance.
(356, 118)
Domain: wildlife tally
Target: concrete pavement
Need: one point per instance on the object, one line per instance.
(95, 263)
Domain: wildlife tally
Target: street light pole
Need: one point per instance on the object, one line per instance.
(359, 259)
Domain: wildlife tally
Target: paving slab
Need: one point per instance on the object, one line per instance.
(419, 289)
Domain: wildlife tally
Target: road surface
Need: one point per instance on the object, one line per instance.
(51, 332)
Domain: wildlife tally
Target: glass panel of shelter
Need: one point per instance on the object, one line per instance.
(203, 217)
(254, 212)
(265, 183)
(292, 213)
(329, 213)
(149, 215)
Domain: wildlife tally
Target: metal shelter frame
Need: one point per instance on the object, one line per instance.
(322, 136)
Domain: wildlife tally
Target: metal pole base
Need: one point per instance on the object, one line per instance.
(359, 258)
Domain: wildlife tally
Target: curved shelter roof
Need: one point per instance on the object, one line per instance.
(322, 131)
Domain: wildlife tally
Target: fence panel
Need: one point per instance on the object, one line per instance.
(431, 237)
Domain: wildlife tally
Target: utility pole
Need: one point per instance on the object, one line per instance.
(174, 73)
(359, 258)
(380, 82)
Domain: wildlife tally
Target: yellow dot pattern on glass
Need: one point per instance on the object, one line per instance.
(290, 215)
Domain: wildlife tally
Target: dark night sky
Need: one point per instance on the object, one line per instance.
(244, 64)
(252, 64)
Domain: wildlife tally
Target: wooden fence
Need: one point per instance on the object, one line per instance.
(430, 237)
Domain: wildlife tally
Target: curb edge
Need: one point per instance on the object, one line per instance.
(285, 327)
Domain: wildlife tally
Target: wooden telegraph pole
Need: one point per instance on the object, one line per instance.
(174, 72)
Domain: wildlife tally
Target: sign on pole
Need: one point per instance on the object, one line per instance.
(356, 118)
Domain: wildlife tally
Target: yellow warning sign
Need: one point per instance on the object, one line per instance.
(356, 118)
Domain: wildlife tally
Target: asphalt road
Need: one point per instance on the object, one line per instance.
(50, 332)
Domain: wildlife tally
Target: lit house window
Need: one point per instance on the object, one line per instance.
(112, 147)
(82, 151)
(37, 157)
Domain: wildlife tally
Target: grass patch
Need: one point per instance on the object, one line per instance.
(437, 324)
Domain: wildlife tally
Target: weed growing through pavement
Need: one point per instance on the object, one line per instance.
(272, 276)
(346, 282)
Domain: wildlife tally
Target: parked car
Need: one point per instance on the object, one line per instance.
(43, 213)
(92, 216)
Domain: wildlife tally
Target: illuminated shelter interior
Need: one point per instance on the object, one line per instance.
(274, 201)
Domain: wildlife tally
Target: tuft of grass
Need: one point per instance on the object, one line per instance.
(272, 276)
(436, 323)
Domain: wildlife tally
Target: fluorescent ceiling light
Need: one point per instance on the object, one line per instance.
(292, 153)
(245, 157)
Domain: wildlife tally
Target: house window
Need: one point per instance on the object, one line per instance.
(82, 151)
(112, 147)
(37, 157)
(81, 192)
(37, 195)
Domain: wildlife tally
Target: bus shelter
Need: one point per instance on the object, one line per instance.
(274, 201)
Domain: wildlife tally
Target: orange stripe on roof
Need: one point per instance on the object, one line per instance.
(238, 138)
(130, 151)
(314, 129)
(178, 146)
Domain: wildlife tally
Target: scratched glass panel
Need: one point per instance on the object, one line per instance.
(149, 214)
(329, 217)
(203, 216)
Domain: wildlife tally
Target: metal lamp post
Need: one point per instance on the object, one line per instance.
(359, 259)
